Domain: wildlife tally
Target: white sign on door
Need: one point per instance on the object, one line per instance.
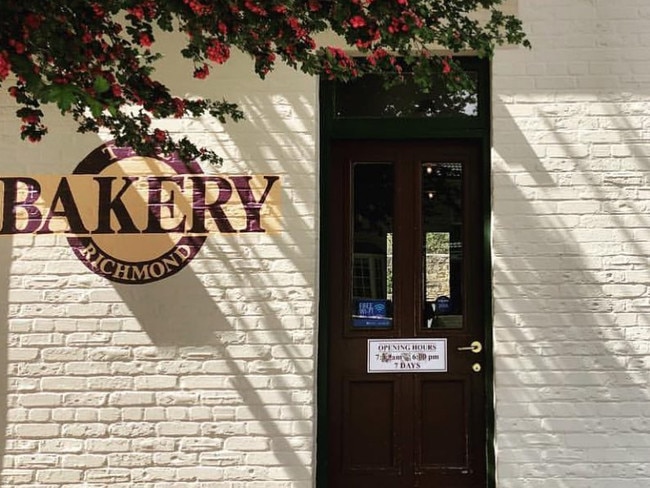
(407, 355)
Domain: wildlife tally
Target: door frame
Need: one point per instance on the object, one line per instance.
(476, 129)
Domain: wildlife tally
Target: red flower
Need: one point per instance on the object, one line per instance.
(446, 68)
(137, 12)
(337, 52)
(18, 46)
(5, 66)
(98, 10)
(202, 73)
(256, 9)
(31, 119)
(145, 40)
(32, 21)
(179, 107)
(357, 21)
(197, 7)
(159, 135)
(218, 52)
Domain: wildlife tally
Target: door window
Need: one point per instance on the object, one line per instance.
(442, 239)
(372, 250)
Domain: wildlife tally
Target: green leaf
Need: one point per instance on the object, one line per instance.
(63, 95)
(113, 110)
(101, 84)
(95, 107)
(65, 100)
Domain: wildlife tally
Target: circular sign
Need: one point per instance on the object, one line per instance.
(141, 215)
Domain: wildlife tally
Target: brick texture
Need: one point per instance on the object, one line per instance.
(201, 380)
(206, 379)
(570, 240)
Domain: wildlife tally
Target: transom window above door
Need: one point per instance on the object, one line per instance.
(368, 97)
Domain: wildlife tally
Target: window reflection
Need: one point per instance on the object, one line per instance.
(442, 245)
(368, 98)
(372, 276)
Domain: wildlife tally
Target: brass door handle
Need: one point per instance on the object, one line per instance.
(474, 347)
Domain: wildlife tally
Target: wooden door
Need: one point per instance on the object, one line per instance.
(406, 274)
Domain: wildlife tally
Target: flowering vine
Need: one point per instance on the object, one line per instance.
(95, 59)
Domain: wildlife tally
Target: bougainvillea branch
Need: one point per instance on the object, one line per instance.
(95, 59)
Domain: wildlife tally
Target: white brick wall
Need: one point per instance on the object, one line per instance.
(203, 379)
(571, 257)
(206, 379)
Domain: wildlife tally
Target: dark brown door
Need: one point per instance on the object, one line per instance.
(406, 372)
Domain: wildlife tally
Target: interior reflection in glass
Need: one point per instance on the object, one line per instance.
(442, 247)
(367, 97)
(372, 276)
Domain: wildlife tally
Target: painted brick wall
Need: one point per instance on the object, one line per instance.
(206, 378)
(571, 200)
(203, 379)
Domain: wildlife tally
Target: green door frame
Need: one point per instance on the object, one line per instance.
(332, 128)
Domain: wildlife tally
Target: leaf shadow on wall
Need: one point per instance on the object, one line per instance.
(219, 301)
(176, 311)
(5, 268)
(562, 339)
(235, 293)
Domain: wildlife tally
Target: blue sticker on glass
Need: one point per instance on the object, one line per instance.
(443, 305)
(371, 312)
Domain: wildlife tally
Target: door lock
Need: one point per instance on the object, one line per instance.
(474, 347)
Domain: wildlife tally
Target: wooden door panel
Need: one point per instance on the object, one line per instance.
(441, 441)
(371, 425)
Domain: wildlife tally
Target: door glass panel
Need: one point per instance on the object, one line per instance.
(442, 249)
(372, 273)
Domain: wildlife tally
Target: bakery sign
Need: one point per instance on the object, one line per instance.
(135, 219)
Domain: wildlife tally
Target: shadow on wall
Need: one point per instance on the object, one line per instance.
(24, 158)
(246, 304)
(175, 311)
(569, 257)
(566, 302)
(233, 331)
(5, 277)
(569, 290)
